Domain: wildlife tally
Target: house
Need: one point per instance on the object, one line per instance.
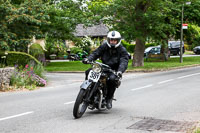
(97, 33)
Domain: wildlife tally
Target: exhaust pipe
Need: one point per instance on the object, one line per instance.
(100, 101)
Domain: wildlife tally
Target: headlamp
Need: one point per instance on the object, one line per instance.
(96, 68)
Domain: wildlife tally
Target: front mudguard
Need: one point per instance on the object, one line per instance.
(85, 85)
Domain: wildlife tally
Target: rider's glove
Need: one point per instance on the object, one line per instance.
(119, 74)
(85, 61)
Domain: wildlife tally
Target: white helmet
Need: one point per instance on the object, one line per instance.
(115, 35)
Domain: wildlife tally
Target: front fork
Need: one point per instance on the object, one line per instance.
(93, 90)
(86, 85)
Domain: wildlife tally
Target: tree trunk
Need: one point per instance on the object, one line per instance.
(140, 9)
(138, 57)
(164, 49)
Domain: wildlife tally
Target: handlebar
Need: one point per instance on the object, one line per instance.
(108, 68)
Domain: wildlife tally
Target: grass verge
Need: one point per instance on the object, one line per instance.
(172, 63)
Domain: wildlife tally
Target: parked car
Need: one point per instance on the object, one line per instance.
(152, 50)
(174, 47)
(196, 50)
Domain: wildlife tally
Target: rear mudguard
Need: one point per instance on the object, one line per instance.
(85, 85)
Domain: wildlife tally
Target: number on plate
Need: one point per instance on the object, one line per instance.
(94, 76)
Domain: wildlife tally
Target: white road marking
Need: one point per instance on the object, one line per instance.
(142, 87)
(14, 116)
(69, 102)
(165, 81)
(188, 75)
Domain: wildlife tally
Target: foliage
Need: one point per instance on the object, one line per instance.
(135, 20)
(192, 35)
(138, 20)
(129, 47)
(27, 77)
(85, 43)
(123, 16)
(188, 47)
(64, 16)
(75, 50)
(20, 59)
(20, 21)
(151, 44)
(197, 130)
(37, 51)
(55, 46)
(192, 12)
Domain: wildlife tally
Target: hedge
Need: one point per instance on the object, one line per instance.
(37, 51)
(19, 58)
(130, 47)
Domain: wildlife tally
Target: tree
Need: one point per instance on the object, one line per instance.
(64, 16)
(138, 20)
(192, 12)
(20, 21)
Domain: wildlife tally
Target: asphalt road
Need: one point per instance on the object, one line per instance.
(159, 102)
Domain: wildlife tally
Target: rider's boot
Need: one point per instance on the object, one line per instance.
(109, 104)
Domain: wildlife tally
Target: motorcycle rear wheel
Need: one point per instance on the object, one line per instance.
(80, 105)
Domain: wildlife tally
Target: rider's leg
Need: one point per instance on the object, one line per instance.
(111, 87)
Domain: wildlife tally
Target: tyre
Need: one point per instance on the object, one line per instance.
(80, 106)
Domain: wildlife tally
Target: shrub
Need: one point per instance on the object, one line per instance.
(188, 47)
(84, 43)
(151, 44)
(55, 46)
(129, 47)
(20, 59)
(3, 46)
(37, 51)
(75, 50)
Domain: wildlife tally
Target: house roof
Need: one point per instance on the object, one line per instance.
(94, 31)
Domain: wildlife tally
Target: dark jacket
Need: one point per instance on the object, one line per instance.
(116, 58)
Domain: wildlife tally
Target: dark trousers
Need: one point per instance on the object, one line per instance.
(112, 82)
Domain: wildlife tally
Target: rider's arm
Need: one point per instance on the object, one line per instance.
(123, 60)
(97, 53)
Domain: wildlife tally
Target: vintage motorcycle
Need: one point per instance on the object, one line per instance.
(93, 91)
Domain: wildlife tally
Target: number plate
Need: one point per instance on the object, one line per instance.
(94, 76)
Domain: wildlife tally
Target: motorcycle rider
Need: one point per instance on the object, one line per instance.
(113, 54)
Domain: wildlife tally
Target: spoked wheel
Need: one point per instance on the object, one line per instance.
(80, 105)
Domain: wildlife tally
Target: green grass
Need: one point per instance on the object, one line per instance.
(197, 130)
(171, 63)
(67, 66)
(148, 65)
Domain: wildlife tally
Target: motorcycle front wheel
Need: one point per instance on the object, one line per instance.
(80, 105)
